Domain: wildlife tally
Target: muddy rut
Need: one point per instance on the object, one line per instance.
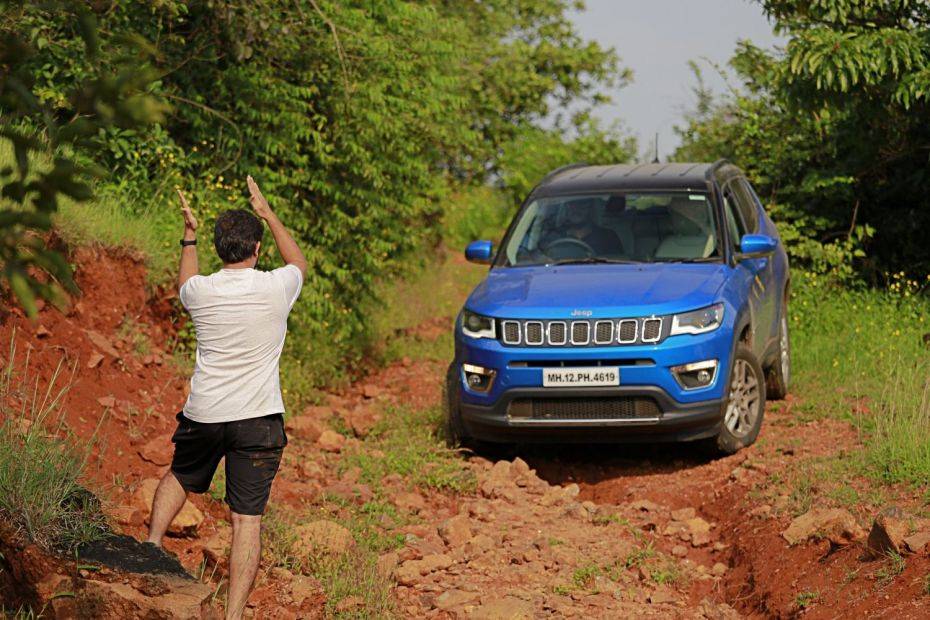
(660, 531)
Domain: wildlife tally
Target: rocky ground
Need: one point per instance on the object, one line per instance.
(371, 518)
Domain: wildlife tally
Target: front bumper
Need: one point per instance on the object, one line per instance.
(645, 372)
(677, 422)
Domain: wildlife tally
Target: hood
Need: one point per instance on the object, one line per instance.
(596, 291)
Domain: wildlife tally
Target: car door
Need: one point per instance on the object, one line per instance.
(747, 271)
(765, 267)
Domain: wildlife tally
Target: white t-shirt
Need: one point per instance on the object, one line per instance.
(240, 316)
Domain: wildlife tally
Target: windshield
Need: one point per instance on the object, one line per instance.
(616, 227)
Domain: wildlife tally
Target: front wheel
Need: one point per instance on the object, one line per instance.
(454, 429)
(780, 372)
(745, 403)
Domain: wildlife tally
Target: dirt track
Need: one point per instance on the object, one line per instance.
(660, 531)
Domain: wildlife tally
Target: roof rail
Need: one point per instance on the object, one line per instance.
(580, 164)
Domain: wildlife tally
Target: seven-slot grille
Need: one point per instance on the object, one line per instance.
(602, 332)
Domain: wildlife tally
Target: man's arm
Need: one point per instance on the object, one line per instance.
(287, 247)
(189, 267)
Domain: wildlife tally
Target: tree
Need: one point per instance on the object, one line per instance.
(831, 128)
(41, 141)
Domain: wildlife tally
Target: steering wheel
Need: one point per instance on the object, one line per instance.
(569, 243)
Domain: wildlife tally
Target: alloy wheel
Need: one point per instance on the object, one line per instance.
(785, 352)
(743, 405)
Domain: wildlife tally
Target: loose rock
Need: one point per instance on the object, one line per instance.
(322, 537)
(888, 532)
(331, 441)
(835, 524)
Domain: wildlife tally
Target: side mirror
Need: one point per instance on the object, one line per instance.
(480, 252)
(756, 246)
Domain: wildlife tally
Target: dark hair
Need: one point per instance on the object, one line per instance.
(235, 235)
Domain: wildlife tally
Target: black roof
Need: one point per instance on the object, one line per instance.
(584, 178)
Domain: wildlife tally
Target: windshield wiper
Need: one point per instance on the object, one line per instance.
(708, 259)
(593, 260)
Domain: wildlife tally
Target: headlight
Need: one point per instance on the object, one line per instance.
(477, 326)
(699, 321)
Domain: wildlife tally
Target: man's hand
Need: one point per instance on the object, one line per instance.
(258, 202)
(188, 267)
(190, 222)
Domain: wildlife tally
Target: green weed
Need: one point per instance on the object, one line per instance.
(39, 490)
(583, 578)
(806, 599)
(637, 557)
(407, 444)
(894, 566)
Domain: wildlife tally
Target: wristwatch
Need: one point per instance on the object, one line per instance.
(186, 242)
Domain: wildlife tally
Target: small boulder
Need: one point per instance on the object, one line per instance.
(644, 505)
(835, 524)
(662, 596)
(107, 401)
(917, 541)
(331, 441)
(158, 451)
(304, 427)
(303, 588)
(456, 531)
(505, 608)
(683, 514)
(699, 529)
(888, 532)
(362, 420)
(410, 501)
(322, 537)
(371, 391)
(498, 481)
(411, 571)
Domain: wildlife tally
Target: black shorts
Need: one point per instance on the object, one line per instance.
(252, 449)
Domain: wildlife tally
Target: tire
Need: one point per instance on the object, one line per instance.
(776, 382)
(453, 427)
(745, 403)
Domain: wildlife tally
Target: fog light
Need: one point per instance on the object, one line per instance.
(478, 378)
(695, 375)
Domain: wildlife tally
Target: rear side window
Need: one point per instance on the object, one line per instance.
(746, 203)
(735, 225)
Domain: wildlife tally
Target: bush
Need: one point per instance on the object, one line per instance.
(40, 492)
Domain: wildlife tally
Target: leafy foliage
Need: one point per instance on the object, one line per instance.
(831, 130)
(358, 118)
(107, 95)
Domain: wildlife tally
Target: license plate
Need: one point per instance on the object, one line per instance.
(581, 377)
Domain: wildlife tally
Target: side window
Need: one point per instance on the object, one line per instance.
(746, 203)
(734, 222)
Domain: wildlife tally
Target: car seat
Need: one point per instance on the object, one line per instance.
(691, 233)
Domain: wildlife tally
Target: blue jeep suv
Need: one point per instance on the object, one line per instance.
(625, 303)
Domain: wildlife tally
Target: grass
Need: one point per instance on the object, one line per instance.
(894, 565)
(861, 355)
(406, 442)
(354, 573)
(805, 599)
(40, 492)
